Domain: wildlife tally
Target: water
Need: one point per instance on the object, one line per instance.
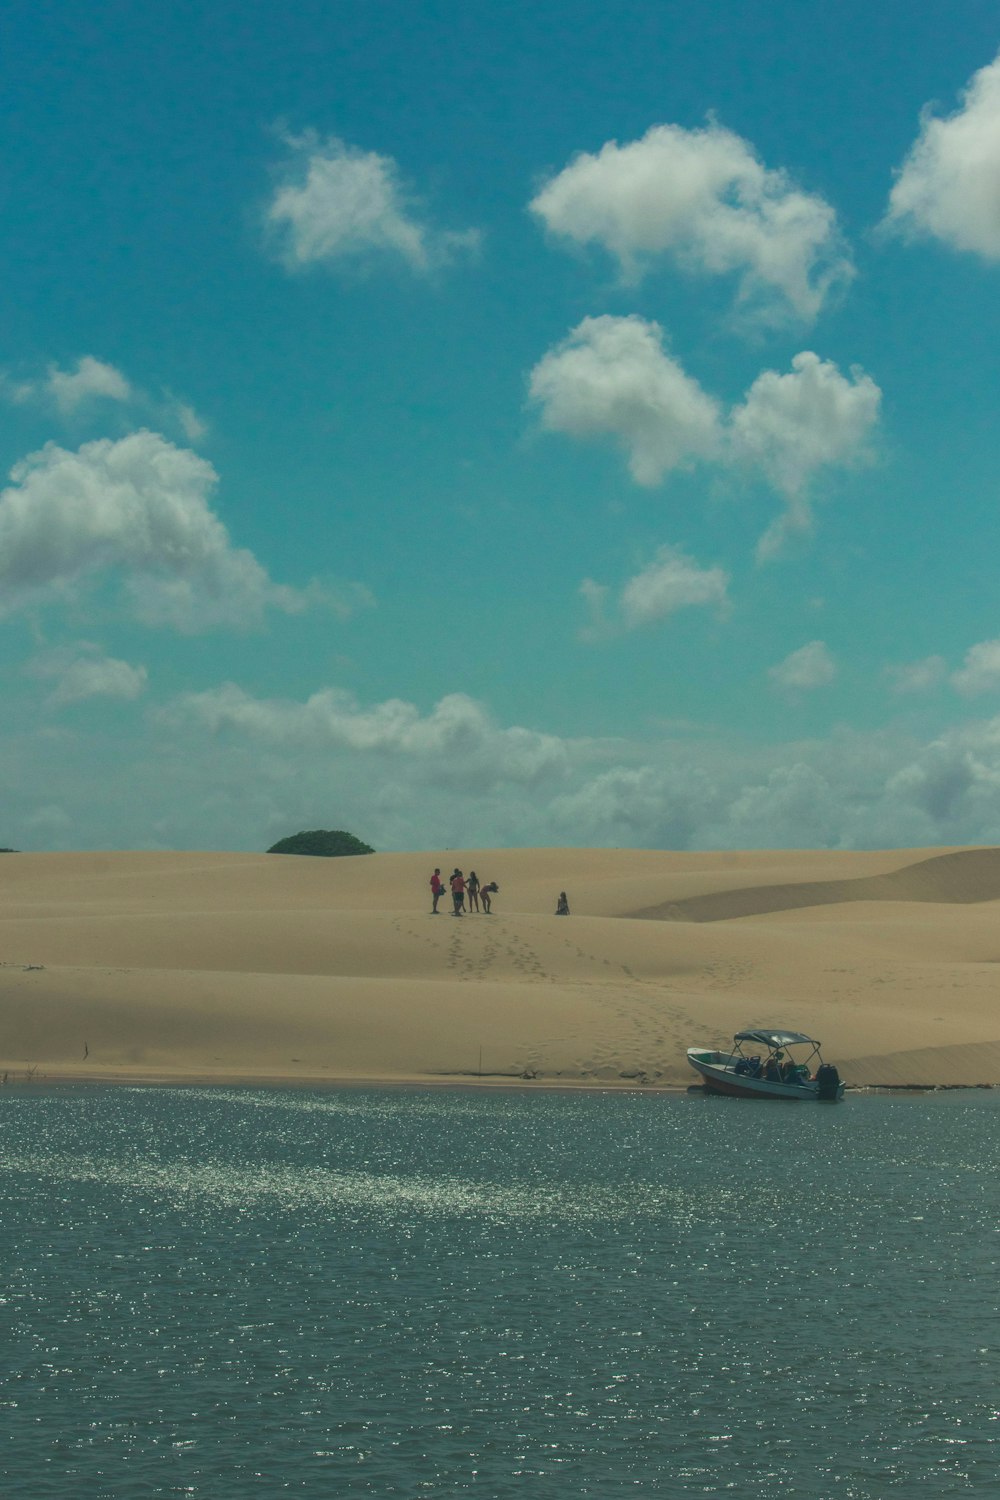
(226, 1293)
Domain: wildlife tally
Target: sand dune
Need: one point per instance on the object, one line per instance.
(255, 967)
(963, 876)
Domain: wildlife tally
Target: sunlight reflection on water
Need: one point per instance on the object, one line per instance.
(397, 1292)
(295, 1189)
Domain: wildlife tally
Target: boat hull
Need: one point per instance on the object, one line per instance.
(716, 1070)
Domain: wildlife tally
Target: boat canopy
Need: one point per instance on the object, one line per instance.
(775, 1038)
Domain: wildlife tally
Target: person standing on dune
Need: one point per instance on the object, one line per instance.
(486, 893)
(458, 892)
(437, 888)
(472, 890)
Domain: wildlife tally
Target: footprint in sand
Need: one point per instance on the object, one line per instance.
(525, 959)
(487, 959)
(724, 973)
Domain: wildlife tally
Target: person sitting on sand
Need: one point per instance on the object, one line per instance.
(562, 905)
(472, 890)
(437, 889)
(458, 892)
(486, 893)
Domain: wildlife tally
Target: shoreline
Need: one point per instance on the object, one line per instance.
(20, 1079)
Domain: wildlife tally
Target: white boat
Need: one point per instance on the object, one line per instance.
(787, 1065)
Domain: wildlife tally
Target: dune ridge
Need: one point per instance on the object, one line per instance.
(202, 966)
(961, 877)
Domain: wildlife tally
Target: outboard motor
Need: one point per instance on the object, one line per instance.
(827, 1081)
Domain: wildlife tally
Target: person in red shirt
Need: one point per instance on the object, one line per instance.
(437, 889)
(458, 892)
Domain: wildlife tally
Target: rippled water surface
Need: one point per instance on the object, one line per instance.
(405, 1293)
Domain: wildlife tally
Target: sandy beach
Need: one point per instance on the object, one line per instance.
(225, 967)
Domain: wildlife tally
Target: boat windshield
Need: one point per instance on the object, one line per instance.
(768, 1054)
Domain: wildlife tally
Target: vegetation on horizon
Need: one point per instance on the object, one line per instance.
(330, 843)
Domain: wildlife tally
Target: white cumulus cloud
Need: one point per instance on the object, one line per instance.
(436, 779)
(138, 507)
(458, 737)
(183, 413)
(645, 806)
(705, 198)
(795, 803)
(75, 391)
(337, 203)
(792, 426)
(91, 378)
(980, 672)
(82, 671)
(811, 666)
(917, 676)
(672, 581)
(953, 785)
(949, 185)
(612, 376)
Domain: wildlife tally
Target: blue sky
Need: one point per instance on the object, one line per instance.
(507, 425)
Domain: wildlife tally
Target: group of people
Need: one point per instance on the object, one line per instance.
(479, 894)
(778, 1068)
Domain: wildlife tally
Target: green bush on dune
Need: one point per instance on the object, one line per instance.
(332, 843)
